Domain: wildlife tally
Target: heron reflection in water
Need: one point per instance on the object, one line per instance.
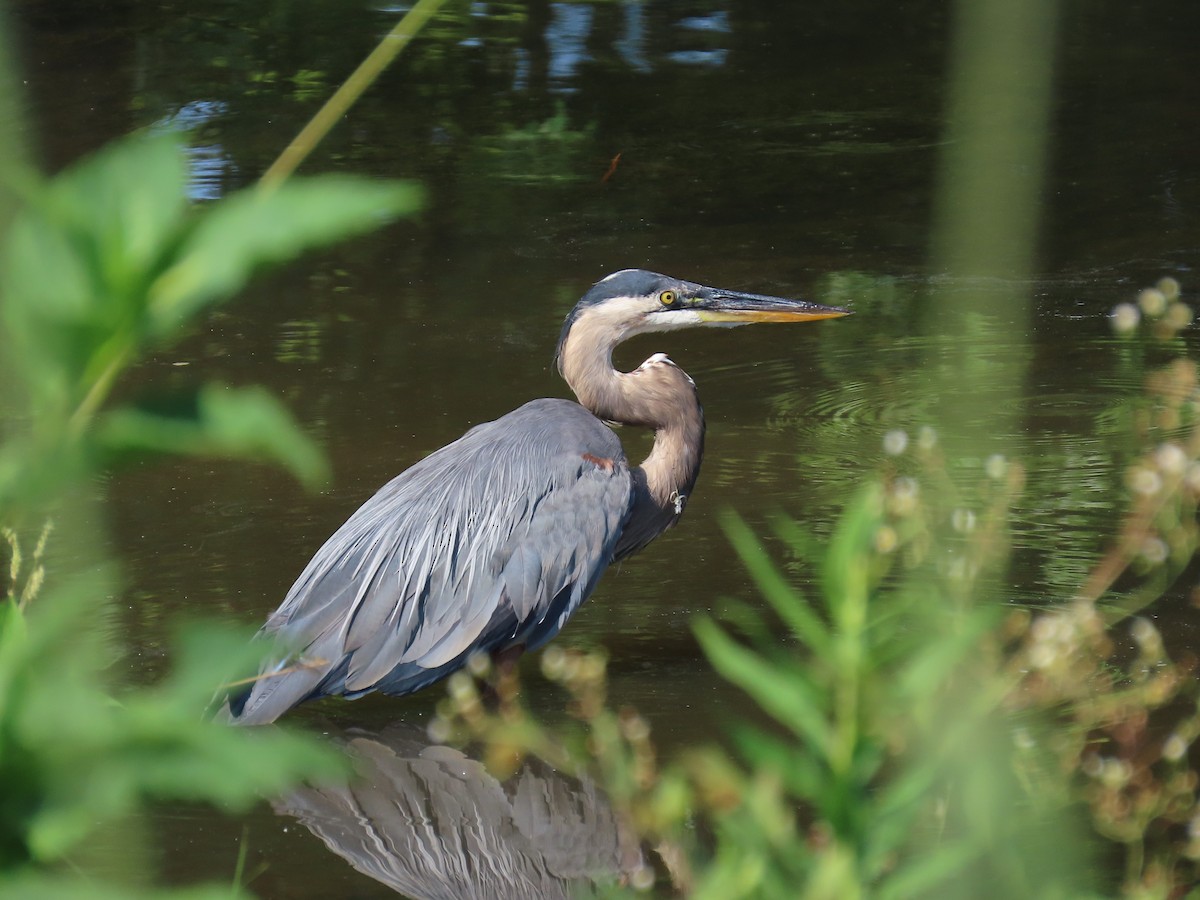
(430, 821)
(491, 543)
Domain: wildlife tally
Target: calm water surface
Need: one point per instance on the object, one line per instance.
(766, 147)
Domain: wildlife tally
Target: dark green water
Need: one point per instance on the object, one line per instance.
(763, 146)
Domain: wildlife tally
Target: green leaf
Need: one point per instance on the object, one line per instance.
(78, 258)
(898, 801)
(128, 200)
(803, 776)
(89, 237)
(944, 653)
(787, 696)
(256, 227)
(928, 871)
(799, 539)
(748, 620)
(241, 423)
(14, 637)
(46, 274)
(783, 597)
(112, 218)
(180, 755)
(195, 648)
(848, 571)
(73, 759)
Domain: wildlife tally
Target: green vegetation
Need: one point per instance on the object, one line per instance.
(918, 739)
(916, 733)
(101, 265)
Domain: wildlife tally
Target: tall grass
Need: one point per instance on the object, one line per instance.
(924, 740)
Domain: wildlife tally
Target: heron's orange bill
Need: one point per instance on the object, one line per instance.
(746, 316)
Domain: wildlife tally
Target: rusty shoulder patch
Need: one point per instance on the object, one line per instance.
(600, 461)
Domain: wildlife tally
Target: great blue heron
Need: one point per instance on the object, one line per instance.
(491, 543)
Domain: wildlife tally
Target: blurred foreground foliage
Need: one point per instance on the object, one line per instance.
(916, 737)
(109, 260)
(100, 265)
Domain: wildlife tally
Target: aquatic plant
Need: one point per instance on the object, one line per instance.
(101, 265)
(923, 740)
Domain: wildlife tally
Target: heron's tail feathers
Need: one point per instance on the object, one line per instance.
(279, 687)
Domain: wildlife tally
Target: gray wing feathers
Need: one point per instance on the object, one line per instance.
(493, 540)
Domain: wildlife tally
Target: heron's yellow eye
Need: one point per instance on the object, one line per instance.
(667, 298)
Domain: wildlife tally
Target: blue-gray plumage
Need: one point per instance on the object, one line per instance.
(491, 543)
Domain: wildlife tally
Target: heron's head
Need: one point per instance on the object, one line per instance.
(634, 301)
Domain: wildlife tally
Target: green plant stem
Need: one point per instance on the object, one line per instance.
(239, 871)
(99, 391)
(346, 95)
(848, 689)
(987, 207)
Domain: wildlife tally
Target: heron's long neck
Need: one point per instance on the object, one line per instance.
(656, 395)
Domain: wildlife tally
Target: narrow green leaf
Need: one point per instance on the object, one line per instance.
(748, 620)
(783, 597)
(940, 656)
(909, 787)
(12, 623)
(13, 641)
(928, 871)
(786, 696)
(254, 228)
(803, 776)
(847, 573)
(241, 423)
(801, 541)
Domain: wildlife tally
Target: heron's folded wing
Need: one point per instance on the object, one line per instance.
(493, 539)
(522, 538)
